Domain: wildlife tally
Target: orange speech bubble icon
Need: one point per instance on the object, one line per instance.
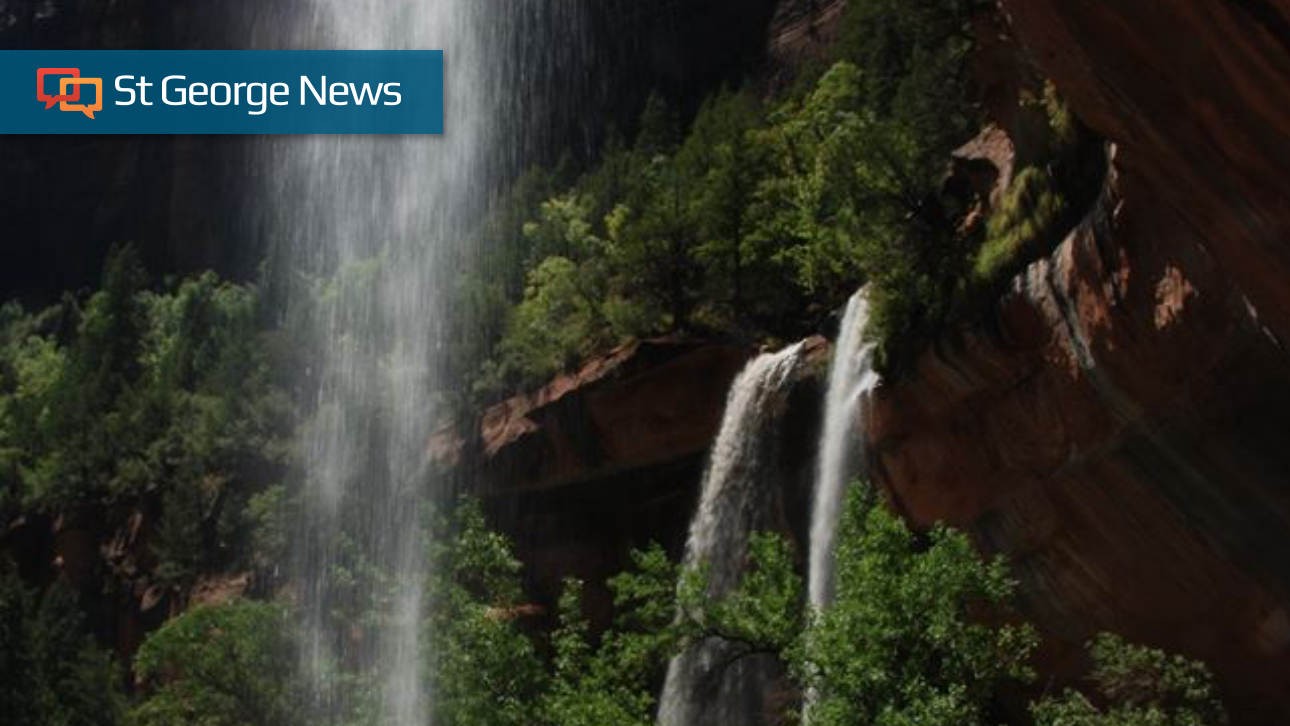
(49, 100)
(87, 109)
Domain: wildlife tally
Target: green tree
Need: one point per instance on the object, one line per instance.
(559, 320)
(856, 197)
(658, 129)
(31, 366)
(90, 402)
(207, 376)
(136, 393)
(226, 665)
(564, 314)
(610, 682)
(51, 671)
(813, 210)
(651, 230)
(267, 517)
(740, 289)
(610, 179)
(484, 669)
(912, 636)
(762, 615)
(914, 54)
(492, 281)
(1139, 686)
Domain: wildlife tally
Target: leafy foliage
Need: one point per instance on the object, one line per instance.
(1030, 212)
(912, 636)
(227, 665)
(760, 218)
(562, 316)
(612, 683)
(51, 672)
(1139, 686)
(134, 393)
(763, 614)
(484, 669)
(266, 519)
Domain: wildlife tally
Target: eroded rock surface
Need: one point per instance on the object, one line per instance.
(1119, 427)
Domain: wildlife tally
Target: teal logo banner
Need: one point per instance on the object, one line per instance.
(221, 92)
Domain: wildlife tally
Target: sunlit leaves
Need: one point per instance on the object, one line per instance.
(912, 636)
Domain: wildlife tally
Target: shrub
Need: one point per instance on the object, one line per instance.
(51, 671)
(1028, 219)
(225, 665)
(1045, 199)
(611, 683)
(913, 635)
(484, 669)
(1139, 686)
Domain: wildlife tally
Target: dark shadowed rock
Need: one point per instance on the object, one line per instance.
(611, 457)
(1119, 427)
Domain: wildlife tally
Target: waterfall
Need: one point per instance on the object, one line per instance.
(851, 377)
(734, 504)
(368, 234)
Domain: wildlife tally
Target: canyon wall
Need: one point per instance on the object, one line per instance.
(1119, 424)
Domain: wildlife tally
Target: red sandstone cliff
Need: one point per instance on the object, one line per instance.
(1120, 425)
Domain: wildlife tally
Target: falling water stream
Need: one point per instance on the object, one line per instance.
(702, 686)
(851, 378)
(371, 231)
(734, 504)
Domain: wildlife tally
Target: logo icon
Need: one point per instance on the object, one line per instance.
(69, 101)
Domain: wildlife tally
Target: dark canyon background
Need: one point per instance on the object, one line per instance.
(67, 200)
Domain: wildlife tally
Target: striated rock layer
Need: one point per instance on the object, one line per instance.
(1119, 427)
(1197, 91)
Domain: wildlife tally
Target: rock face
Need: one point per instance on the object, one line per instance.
(801, 32)
(1119, 427)
(597, 462)
(644, 404)
(109, 565)
(611, 457)
(1196, 91)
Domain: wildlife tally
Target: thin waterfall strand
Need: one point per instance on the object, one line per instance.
(851, 378)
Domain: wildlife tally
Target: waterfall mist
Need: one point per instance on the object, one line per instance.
(369, 234)
(734, 503)
(851, 377)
